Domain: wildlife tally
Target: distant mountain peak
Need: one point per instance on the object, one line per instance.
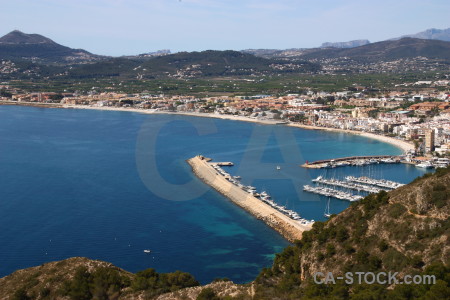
(17, 37)
(38, 48)
(430, 34)
(350, 44)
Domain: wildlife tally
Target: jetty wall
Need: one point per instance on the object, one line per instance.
(290, 229)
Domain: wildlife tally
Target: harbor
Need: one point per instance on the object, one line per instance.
(363, 185)
(332, 193)
(348, 185)
(287, 222)
(352, 161)
(424, 163)
(375, 182)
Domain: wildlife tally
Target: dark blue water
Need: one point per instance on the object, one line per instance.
(74, 183)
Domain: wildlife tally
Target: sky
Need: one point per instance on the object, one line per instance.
(129, 27)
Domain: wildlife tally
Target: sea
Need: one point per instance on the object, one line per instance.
(108, 185)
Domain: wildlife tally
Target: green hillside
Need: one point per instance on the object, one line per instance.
(191, 65)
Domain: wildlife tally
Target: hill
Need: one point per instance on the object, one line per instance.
(385, 51)
(35, 47)
(360, 51)
(350, 44)
(405, 231)
(191, 65)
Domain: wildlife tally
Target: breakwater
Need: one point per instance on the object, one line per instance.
(290, 229)
(352, 161)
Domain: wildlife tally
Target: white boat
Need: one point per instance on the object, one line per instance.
(425, 165)
(278, 168)
(327, 209)
(147, 251)
(264, 194)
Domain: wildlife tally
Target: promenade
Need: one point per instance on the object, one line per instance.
(290, 229)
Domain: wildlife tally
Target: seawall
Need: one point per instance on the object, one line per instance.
(290, 229)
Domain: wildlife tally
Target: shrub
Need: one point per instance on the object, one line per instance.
(396, 210)
(331, 250)
(383, 245)
(207, 294)
(155, 283)
(342, 234)
(21, 294)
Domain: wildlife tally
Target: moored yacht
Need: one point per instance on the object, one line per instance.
(425, 165)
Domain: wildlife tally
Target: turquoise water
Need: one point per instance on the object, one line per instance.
(75, 183)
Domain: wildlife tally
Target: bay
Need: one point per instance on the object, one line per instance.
(71, 185)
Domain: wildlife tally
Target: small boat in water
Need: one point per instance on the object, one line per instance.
(327, 209)
(147, 251)
(278, 168)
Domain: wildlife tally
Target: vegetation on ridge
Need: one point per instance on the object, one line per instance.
(404, 231)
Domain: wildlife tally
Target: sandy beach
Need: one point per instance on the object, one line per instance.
(290, 229)
(403, 145)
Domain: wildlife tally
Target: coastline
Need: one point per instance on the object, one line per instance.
(290, 229)
(403, 145)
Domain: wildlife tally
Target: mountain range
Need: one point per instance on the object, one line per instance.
(36, 55)
(429, 34)
(385, 50)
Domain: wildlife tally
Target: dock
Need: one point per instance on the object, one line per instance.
(383, 183)
(332, 193)
(245, 198)
(349, 185)
(352, 161)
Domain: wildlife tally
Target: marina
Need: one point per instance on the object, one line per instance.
(349, 185)
(287, 222)
(375, 182)
(377, 159)
(360, 184)
(332, 193)
(263, 196)
(352, 161)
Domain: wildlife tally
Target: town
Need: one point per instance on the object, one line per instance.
(417, 113)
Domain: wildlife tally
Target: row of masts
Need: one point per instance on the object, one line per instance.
(324, 191)
(376, 182)
(359, 184)
(263, 196)
(349, 185)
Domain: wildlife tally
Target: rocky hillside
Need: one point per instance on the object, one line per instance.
(405, 231)
(83, 279)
